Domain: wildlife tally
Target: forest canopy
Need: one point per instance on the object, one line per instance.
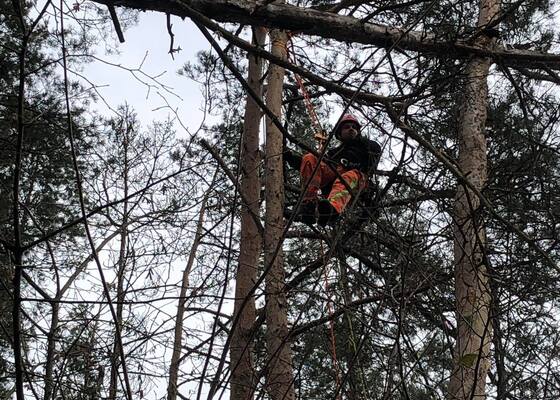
(139, 260)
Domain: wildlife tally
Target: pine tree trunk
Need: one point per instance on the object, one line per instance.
(241, 360)
(472, 289)
(279, 368)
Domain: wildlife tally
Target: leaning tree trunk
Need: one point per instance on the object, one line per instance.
(114, 381)
(279, 369)
(472, 289)
(172, 387)
(241, 348)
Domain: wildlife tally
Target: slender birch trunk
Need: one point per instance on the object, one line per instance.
(472, 289)
(179, 319)
(279, 369)
(241, 348)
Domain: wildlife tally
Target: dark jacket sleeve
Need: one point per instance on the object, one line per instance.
(292, 158)
(362, 154)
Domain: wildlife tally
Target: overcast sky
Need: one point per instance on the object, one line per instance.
(147, 44)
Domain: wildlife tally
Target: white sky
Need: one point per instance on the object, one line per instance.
(147, 45)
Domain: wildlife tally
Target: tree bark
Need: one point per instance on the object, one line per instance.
(241, 348)
(472, 289)
(279, 369)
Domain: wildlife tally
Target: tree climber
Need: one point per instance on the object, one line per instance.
(355, 159)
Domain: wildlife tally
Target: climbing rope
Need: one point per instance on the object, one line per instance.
(323, 141)
(320, 135)
(321, 138)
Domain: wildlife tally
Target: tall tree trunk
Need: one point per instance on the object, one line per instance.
(17, 251)
(51, 349)
(113, 383)
(241, 360)
(472, 289)
(279, 369)
(178, 339)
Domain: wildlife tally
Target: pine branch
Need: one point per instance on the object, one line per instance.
(343, 28)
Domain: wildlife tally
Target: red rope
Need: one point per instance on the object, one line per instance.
(319, 132)
(321, 138)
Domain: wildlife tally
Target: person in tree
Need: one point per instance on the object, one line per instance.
(354, 160)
